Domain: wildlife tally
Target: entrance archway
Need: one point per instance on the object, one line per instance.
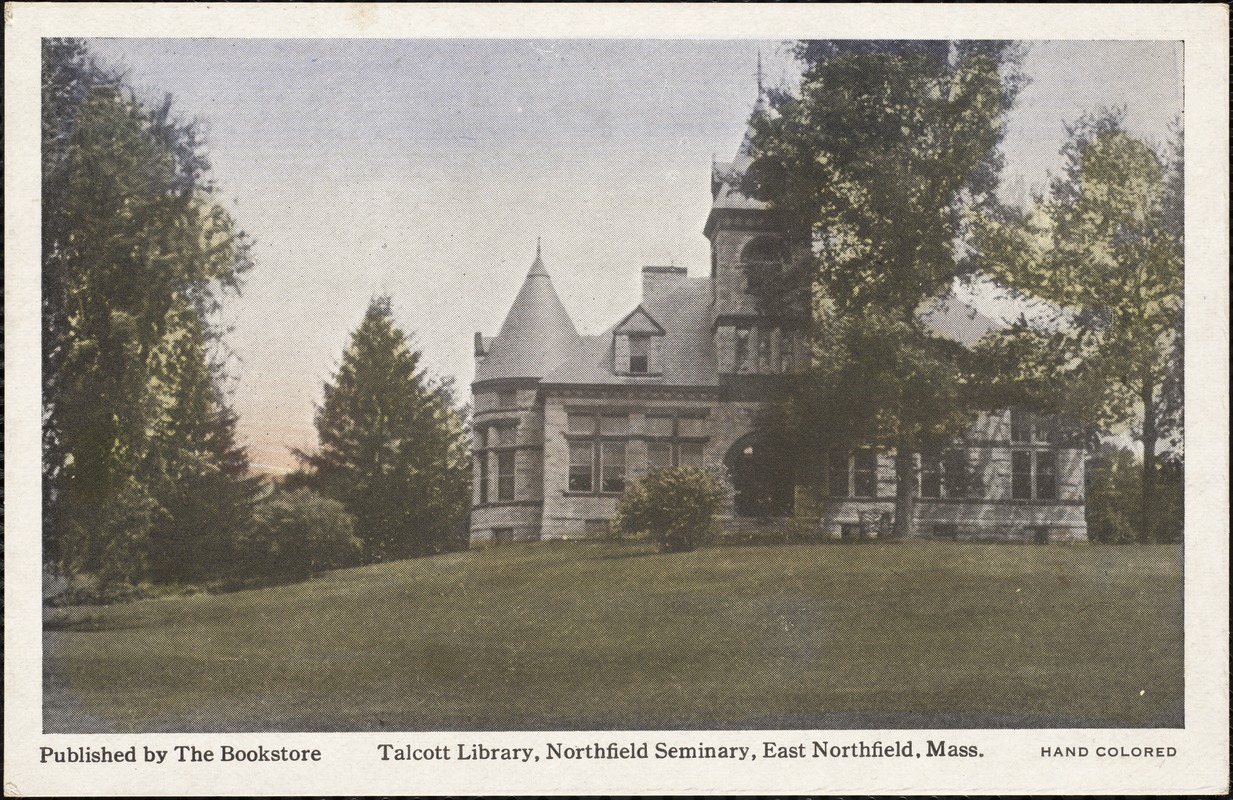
(763, 477)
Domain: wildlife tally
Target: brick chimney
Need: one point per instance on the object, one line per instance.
(657, 280)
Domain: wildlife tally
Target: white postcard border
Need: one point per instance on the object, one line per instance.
(350, 764)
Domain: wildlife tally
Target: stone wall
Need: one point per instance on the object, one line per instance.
(518, 518)
(995, 514)
(576, 514)
(544, 507)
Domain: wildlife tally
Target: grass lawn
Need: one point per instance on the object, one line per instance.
(613, 636)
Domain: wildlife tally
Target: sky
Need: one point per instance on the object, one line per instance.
(427, 169)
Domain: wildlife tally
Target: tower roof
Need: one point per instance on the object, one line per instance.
(726, 177)
(537, 333)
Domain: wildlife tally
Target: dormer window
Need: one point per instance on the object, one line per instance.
(639, 347)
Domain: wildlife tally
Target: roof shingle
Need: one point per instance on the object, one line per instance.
(536, 336)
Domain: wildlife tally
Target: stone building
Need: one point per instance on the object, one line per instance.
(563, 422)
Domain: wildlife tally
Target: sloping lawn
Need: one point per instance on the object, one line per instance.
(615, 636)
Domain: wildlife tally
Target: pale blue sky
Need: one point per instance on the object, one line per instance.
(427, 168)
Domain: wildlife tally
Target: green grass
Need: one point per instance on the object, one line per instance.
(614, 636)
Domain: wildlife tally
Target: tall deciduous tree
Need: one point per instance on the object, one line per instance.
(391, 444)
(874, 161)
(137, 254)
(1105, 248)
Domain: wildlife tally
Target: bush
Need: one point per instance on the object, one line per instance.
(1115, 481)
(677, 506)
(106, 543)
(297, 534)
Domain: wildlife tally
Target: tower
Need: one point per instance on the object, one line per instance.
(537, 335)
(748, 242)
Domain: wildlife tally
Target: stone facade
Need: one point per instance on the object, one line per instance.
(563, 422)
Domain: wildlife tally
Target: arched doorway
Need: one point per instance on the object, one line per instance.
(764, 478)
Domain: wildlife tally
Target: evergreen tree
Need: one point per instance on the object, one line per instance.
(136, 256)
(874, 162)
(1105, 249)
(391, 446)
(198, 472)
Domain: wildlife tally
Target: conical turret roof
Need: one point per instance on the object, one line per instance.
(537, 334)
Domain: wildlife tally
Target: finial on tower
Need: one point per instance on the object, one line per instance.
(537, 267)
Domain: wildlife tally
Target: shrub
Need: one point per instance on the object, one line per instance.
(297, 534)
(106, 542)
(1113, 491)
(677, 506)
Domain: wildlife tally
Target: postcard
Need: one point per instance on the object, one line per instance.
(559, 399)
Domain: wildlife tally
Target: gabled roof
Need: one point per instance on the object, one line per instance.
(537, 333)
(638, 322)
(687, 354)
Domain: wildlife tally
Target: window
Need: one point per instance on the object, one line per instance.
(742, 349)
(581, 457)
(505, 476)
(785, 351)
(945, 476)
(714, 272)
(658, 455)
(865, 474)
(764, 349)
(764, 254)
(1027, 426)
(1020, 425)
(638, 347)
(596, 459)
(762, 259)
(837, 473)
(690, 426)
(955, 473)
(612, 466)
(667, 450)
(852, 474)
(659, 426)
(507, 399)
(1021, 475)
(690, 454)
(1046, 475)
(1033, 475)
(930, 478)
(505, 436)
(1046, 428)
(613, 425)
